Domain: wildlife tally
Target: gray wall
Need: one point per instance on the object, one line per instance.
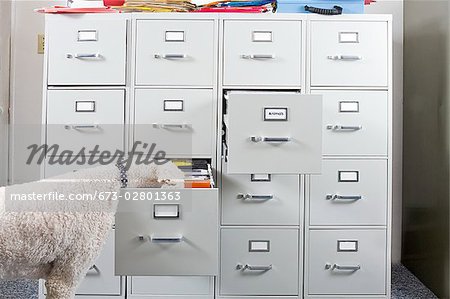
(426, 143)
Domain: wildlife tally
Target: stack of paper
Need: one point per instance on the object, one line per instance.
(84, 3)
(240, 6)
(158, 6)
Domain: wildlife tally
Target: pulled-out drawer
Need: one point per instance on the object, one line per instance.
(349, 53)
(175, 52)
(349, 192)
(273, 132)
(86, 50)
(259, 262)
(178, 121)
(165, 232)
(189, 286)
(347, 262)
(355, 122)
(262, 53)
(260, 199)
(78, 119)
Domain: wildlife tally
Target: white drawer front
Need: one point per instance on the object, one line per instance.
(180, 238)
(349, 192)
(178, 121)
(79, 119)
(274, 132)
(262, 53)
(86, 52)
(347, 53)
(259, 262)
(171, 285)
(101, 280)
(260, 199)
(347, 262)
(355, 122)
(173, 52)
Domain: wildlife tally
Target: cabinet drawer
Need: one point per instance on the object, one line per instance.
(86, 51)
(175, 52)
(171, 285)
(79, 119)
(260, 199)
(259, 262)
(178, 121)
(179, 237)
(355, 122)
(349, 192)
(274, 132)
(101, 280)
(347, 53)
(347, 262)
(259, 53)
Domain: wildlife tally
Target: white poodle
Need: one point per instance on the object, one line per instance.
(58, 240)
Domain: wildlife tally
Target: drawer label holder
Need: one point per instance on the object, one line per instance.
(347, 245)
(275, 114)
(259, 246)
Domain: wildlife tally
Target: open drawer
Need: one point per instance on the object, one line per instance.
(167, 232)
(273, 132)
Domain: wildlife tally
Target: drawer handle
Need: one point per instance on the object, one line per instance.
(338, 267)
(171, 126)
(84, 56)
(345, 57)
(258, 56)
(249, 267)
(82, 127)
(254, 197)
(343, 128)
(93, 270)
(175, 239)
(270, 139)
(336, 197)
(170, 56)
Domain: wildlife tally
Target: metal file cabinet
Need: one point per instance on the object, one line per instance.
(294, 114)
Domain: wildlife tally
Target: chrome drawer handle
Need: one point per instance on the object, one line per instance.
(253, 267)
(171, 126)
(343, 128)
(94, 270)
(82, 127)
(338, 267)
(345, 57)
(170, 56)
(254, 197)
(337, 197)
(270, 139)
(258, 56)
(84, 56)
(175, 239)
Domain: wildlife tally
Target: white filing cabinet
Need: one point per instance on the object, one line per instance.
(294, 112)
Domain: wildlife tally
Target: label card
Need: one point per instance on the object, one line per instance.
(348, 37)
(259, 246)
(262, 36)
(85, 106)
(173, 105)
(347, 245)
(260, 177)
(87, 35)
(174, 36)
(275, 114)
(348, 106)
(166, 211)
(348, 176)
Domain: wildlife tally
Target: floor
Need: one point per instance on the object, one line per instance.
(404, 286)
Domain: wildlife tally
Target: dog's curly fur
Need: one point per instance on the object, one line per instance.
(59, 240)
